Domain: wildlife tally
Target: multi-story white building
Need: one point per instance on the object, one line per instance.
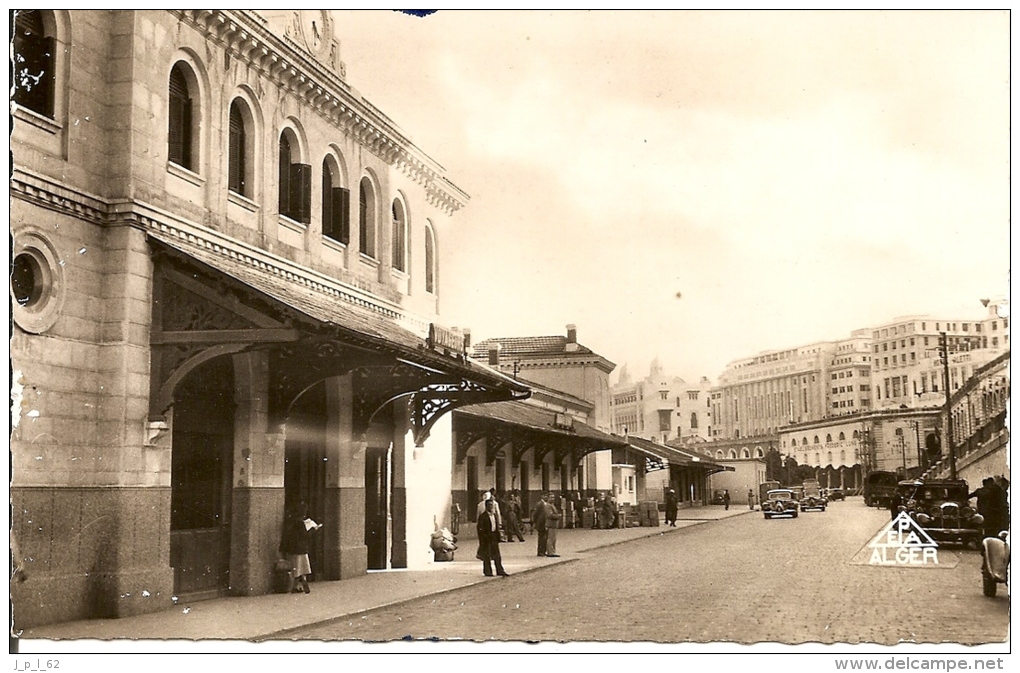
(757, 396)
(660, 407)
(907, 370)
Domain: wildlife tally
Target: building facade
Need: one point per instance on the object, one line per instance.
(225, 293)
(562, 364)
(661, 407)
(907, 370)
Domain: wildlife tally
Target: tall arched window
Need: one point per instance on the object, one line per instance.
(430, 259)
(816, 439)
(399, 239)
(34, 66)
(237, 159)
(366, 217)
(295, 182)
(828, 438)
(181, 120)
(336, 206)
(694, 420)
(842, 436)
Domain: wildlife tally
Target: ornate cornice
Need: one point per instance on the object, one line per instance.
(41, 191)
(246, 37)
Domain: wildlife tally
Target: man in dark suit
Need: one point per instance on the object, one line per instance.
(488, 541)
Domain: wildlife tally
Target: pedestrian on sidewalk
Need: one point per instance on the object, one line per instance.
(295, 542)
(511, 520)
(726, 499)
(486, 496)
(545, 525)
(488, 541)
(671, 508)
(552, 518)
(750, 499)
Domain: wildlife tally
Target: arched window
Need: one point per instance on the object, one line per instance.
(856, 435)
(828, 438)
(816, 439)
(34, 64)
(399, 240)
(336, 206)
(238, 159)
(181, 120)
(759, 453)
(366, 217)
(430, 259)
(694, 420)
(818, 458)
(295, 181)
(745, 453)
(719, 454)
(841, 436)
(803, 441)
(732, 454)
(842, 457)
(828, 457)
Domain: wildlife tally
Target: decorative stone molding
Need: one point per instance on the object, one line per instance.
(245, 36)
(41, 191)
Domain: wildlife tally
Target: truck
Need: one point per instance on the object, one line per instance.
(879, 488)
(764, 488)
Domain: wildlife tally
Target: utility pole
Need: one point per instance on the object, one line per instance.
(920, 454)
(944, 354)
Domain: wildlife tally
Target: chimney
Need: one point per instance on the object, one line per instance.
(571, 334)
(467, 338)
(494, 353)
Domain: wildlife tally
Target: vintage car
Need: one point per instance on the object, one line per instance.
(942, 509)
(834, 494)
(719, 496)
(815, 501)
(780, 502)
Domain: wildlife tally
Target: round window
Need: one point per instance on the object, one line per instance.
(35, 284)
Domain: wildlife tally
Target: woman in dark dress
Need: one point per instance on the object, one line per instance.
(294, 545)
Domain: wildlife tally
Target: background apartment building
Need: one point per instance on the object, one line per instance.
(660, 407)
(907, 370)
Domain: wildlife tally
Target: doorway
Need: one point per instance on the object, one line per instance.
(201, 466)
(377, 490)
(304, 471)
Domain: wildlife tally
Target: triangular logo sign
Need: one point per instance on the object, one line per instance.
(903, 542)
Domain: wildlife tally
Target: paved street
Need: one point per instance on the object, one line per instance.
(742, 579)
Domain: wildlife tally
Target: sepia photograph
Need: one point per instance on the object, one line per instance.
(572, 332)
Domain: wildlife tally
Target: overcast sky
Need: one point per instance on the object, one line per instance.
(703, 186)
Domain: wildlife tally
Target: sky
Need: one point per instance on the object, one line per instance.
(703, 186)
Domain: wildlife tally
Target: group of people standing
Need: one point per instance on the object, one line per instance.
(501, 517)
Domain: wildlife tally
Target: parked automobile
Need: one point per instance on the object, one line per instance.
(719, 496)
(780, 502)
(943, 510)
(994, 563)
(835, 494)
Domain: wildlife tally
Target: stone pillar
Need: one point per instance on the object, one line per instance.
(399, 487)
(257, 505)
(344, 509)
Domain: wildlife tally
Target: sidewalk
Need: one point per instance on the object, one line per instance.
(271, 616)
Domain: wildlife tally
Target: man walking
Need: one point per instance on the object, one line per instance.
(671, 508)
(726, 498)
(488, 541)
